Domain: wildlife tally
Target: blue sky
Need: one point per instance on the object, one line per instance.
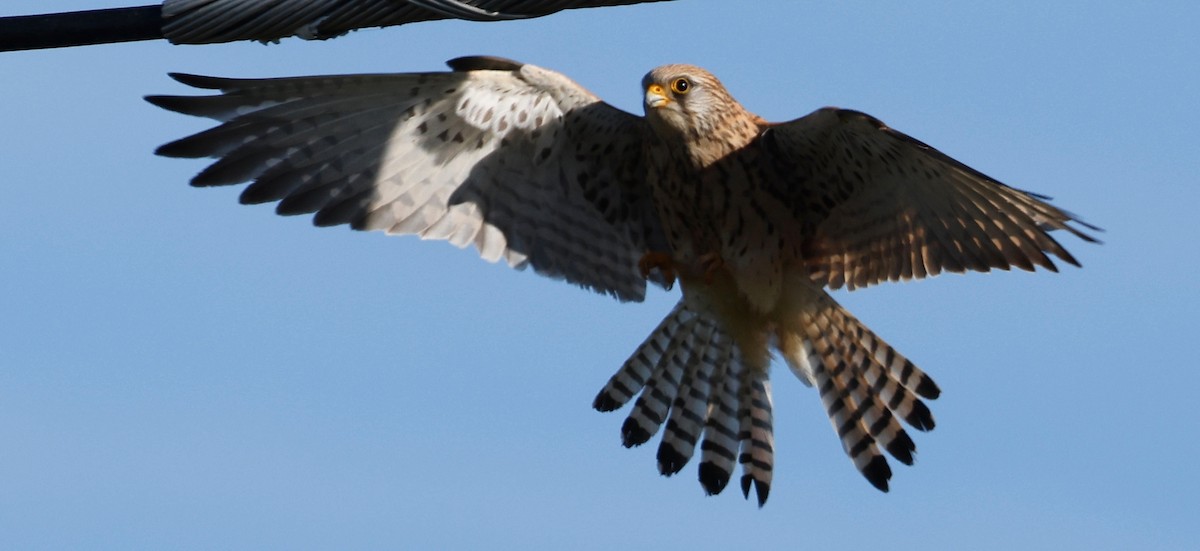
(177, 370)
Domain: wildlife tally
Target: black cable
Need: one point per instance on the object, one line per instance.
(80, 28)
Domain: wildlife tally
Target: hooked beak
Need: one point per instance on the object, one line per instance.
(656, 96)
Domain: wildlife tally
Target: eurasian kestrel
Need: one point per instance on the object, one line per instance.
(755, 219)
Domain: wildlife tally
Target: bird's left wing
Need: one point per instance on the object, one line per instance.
(517, 160)
(874, 204)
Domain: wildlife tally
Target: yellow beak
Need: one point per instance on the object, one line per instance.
(656, 96)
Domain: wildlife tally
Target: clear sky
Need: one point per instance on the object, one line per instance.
(179, 371)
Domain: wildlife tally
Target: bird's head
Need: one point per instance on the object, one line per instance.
(685, 99)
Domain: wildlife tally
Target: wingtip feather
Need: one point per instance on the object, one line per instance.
(878, 472)
(483, 63)
(761, 489)
(200, 81)
(902, 448)
(632, 433)
(605, 402)
(926, 388)
(670, 461)
(920, 417)
(713, 478)
(175, 104)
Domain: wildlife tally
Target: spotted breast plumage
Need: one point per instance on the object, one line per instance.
(754, 220)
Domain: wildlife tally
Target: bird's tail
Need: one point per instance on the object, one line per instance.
(864, 384)
(690, 376)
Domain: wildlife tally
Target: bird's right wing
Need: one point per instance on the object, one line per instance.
(875, 204)
(517, 160)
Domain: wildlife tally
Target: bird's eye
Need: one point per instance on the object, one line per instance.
(681, 86)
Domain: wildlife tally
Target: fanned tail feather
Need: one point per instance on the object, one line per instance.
(690, 375)
(757, 434)
(844, 413)
(864, 385)
(632, 377)
(652, 407)
(721, 429)
(690, 410)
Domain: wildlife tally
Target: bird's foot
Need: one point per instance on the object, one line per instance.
(663, 262)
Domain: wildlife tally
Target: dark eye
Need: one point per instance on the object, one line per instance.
(681, 86)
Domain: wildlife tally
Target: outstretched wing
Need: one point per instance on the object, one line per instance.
(207, 21)
(517, 160)
(875, 204)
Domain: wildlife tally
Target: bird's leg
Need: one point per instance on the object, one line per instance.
(709, 263)
(661, 260)
(704, 267)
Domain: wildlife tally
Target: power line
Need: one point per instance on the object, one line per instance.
(212, 21)
(81, 28)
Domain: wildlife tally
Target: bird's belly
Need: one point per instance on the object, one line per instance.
(733, 302)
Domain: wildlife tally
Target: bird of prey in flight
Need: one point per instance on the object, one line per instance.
(755, 221)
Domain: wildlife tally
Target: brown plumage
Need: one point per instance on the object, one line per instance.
(754, 219)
